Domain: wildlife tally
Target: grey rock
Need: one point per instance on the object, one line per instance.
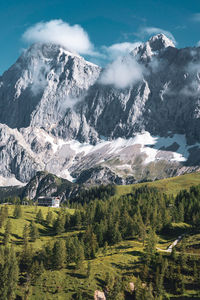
(52, 100)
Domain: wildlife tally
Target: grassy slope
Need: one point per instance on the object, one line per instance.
(120, 259)
(29, 214)
(171, 185)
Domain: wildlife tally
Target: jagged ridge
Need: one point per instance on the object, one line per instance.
(54, 98)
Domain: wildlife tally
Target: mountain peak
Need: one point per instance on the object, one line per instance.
(160, 41)
(155, 44)
(47, 50)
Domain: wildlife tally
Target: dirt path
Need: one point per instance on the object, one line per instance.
(169, 249)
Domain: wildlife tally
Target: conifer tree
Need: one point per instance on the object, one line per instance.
(109, 281)
(90, 243)
(59, 254)
(26, 257)
(88, 269)
(34, 234)
(80, 256)
(17, 214)
(7, 233)
(105, 248)
(71, 249)
(150, 248)
(36, 270)
(174, 254)
(25, 236)
(13, 274)
(141, 226)
(116, 291)
(59, 224)
(49, 218)
(2, 217)
(48, 254)
(39, 216)
(9, 274)
(150, 293)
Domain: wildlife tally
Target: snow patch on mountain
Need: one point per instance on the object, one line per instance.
(150, 145)
(10, 181)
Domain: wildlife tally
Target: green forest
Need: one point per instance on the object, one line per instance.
(101, 240)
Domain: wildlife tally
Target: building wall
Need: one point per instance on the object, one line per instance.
(49, 201)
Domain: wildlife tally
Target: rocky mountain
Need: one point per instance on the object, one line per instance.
(46, 184)
(67, 116)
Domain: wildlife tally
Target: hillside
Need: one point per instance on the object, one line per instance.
(169, 186)
(105, 243)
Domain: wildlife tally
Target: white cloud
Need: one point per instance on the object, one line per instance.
(122, 73)
(196, 17)
(119, 49)
(147, 31)
(39, 81)
(73, 38)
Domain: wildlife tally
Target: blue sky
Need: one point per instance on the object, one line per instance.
(106, 22)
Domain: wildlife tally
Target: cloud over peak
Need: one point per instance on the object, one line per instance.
(71, 37)
(122, 73)
(120, 49)
(148, 31)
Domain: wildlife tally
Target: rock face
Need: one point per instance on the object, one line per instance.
(98, 295)
(42, 85)
(58, 115)
(46, 184)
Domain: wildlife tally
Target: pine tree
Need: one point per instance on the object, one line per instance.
(71, 249)
(80, 256)
(141, 226)
(7, 233)
(90, 243)
(88, 269)
(9, 274)
(150, 248)
(25, 236)
(13, 275)
(2, 217)
(17, 214)
(49, 218)
(105, 248)
(77, 219)
(36, 270)
(150, 293)
(26, 257)
(195, 271)
(116, 292)
(59, 254)
(79, 295)
(145, 272)
(109, 281)
(182, 256)
(174, 254)
(48, 254)
(59, 224)
(159, 281)
(39, 216)
(34, 234)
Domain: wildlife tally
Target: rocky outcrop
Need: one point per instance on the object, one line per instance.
(42, 86)
(46, 184)
(98, 295)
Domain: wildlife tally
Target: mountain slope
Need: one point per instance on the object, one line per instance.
(42, 85)
(58, 113)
